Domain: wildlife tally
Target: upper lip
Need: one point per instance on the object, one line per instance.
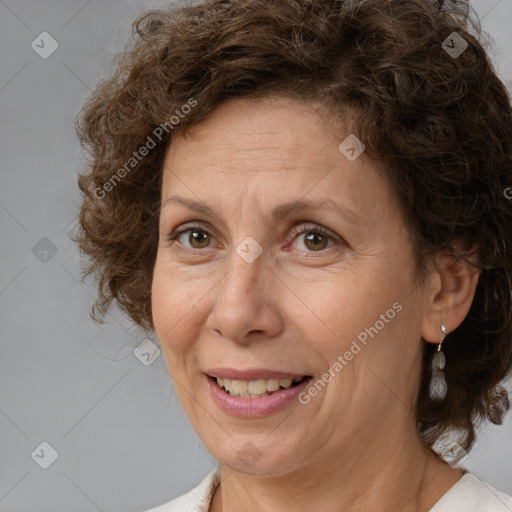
(255, 374)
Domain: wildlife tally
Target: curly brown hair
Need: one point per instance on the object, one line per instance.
(439, 124)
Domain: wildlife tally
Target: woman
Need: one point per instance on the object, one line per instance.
(304, 201)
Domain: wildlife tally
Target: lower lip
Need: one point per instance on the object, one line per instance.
(254, 407)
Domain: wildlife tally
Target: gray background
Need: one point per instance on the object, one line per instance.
(122, 439)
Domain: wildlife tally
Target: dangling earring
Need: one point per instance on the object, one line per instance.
(438, 386)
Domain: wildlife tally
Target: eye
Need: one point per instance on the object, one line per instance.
(199, 237)
(317, 237)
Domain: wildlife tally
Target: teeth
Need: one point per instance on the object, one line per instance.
(285, 383)
(254, 388)
(272, 384)
(240, 387)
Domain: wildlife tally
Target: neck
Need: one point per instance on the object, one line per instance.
(406, 476)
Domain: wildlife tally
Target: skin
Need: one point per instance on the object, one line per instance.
(296, 308)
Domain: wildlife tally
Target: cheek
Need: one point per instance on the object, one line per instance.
(341, 305)
(160, 301)
(169, 294)
(360, 319)
(169, 306)
(178, 307)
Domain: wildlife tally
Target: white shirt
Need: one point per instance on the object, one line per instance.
(469, 494)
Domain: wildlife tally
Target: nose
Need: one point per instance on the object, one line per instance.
(246, 302)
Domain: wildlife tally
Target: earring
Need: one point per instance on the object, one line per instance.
(438, 388)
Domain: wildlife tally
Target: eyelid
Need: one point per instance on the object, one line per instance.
(301, 228)
(306, 227)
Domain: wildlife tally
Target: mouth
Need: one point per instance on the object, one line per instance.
(259, 388)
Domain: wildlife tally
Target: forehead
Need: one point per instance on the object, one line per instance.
(241, 130)
(272, 148)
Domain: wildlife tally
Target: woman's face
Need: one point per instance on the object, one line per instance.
(242, 290)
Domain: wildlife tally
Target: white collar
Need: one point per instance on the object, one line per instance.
(469, 494)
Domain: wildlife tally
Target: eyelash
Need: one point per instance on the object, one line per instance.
(311, 228)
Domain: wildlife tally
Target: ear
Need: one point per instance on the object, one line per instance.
(454, 283)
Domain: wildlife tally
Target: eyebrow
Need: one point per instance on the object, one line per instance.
(278, 213)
